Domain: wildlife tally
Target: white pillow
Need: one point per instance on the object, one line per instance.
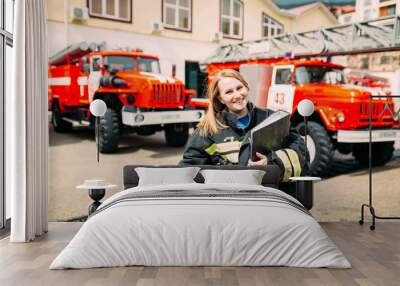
(249, 177)
(163, 176)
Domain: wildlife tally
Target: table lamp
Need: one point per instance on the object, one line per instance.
(304, 184)
(305, 108)
(98, 108)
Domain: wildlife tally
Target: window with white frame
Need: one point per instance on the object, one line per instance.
(347, 19)
(119, 10)
(6, 64)
(177, 14)
(391, 10)
(270, 27)
(232, 18)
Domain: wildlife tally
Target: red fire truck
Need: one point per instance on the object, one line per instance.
(362, 78)
(340, 121)
(139, 98)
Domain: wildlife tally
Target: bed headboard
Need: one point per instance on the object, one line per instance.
(270, 179)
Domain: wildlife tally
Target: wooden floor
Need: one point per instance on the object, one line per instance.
(375, 257)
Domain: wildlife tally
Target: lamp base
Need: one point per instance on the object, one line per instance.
(96, 195)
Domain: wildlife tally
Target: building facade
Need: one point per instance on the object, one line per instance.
(370, 9)
(345, 14)
(180, 32)
(380, 63)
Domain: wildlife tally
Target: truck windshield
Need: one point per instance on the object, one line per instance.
(120, 63)
(148, 65)
(319, 74)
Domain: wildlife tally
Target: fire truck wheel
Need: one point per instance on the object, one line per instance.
(109, 132)
(176, 134)
(59, 124)
(382, 153)
(319, 146)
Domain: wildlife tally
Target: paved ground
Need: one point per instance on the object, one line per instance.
(73, 158)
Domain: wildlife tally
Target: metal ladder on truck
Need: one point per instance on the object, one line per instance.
(378, 35)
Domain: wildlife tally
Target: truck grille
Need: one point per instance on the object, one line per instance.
(167, 94)
(378, 112)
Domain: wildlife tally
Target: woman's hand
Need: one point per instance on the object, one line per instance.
(262, 162)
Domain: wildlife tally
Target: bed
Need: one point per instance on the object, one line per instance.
(201, 224)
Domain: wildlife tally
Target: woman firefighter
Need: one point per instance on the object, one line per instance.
(222, 136)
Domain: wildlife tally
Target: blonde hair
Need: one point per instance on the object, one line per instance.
(211, 124)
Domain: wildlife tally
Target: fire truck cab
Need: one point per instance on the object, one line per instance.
(341, 118)
(138, 97)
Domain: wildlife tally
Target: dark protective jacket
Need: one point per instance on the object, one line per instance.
(232, 146)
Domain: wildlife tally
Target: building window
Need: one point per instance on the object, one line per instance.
(6, 64)
(232, 18)
(387, 10)
(347, 19)
(177, 14)
(119, 10)
(387, 60)
(270, 27)
(364, 63)
(367, 2)
(391, 10)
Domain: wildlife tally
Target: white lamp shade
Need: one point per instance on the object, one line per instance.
(98, 107)
(305, 107)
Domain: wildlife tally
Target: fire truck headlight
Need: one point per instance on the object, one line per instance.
(199, 115)
(139, 118)
(340, 117)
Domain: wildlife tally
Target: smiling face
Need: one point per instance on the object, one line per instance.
(234, 95)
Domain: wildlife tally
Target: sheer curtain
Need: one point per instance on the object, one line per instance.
(27, 123)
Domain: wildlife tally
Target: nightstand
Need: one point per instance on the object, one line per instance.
(305, 190)
(97, 190)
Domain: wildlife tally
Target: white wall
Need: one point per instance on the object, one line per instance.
(397, 7)
(374, 6)
(362, 6)
(169, 50)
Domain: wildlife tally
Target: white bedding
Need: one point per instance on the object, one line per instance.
(205, 230)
